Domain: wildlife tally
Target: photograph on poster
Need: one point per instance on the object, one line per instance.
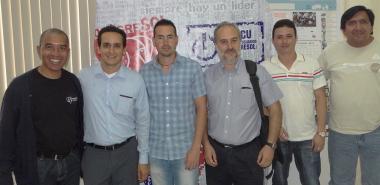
(304, 19)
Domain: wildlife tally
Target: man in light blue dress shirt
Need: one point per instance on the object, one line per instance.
(177, 103)
(116, 116)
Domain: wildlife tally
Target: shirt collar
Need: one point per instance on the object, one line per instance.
(178, 61)
(119, 74)
(237, 65)
(299, 58)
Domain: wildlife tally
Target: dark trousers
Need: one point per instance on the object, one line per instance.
(116, 167)
(59, 172)
(236, 166)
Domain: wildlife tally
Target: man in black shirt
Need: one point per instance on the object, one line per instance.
(41, 120)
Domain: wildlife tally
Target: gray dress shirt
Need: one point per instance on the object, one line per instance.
(233, 114)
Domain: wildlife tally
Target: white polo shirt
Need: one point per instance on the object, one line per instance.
(298, 85)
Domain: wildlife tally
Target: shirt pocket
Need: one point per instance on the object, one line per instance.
(124, 104)
(246, 97)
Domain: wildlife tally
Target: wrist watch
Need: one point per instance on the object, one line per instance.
(271, 145)
(322, 134)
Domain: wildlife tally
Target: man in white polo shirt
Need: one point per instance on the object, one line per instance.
(301, 80)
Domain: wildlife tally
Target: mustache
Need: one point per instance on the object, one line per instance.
(230, 50)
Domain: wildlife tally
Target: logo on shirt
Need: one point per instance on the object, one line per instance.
(375, 57)
(70, 99)
(375, 67)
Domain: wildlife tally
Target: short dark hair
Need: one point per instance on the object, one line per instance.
(164, 22)
(284, 23)
(348, 14)
(112, 28)
(56, 31)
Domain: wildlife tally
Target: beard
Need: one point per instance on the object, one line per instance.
(229, 57)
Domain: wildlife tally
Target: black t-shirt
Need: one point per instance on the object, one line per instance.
(55, 110)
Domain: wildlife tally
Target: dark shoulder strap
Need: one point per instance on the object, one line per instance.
(251, 69)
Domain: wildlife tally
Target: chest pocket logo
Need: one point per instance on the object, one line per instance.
(71, 100)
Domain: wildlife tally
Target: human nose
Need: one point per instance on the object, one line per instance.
(165, 40)
(57, 51)
(357, 25)
(285, 40)
(112, 48)
(229, 45)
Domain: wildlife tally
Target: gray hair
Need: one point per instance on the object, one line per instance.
(226, 24)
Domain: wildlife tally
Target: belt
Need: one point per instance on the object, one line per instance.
(41, 155)
(229, 146)
(110, 147)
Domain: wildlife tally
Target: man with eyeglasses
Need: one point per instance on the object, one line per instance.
(41, 122)
(177, 103)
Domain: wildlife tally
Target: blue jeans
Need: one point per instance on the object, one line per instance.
(308, 163)
(172, 172)
(344, 150)
(59, 172)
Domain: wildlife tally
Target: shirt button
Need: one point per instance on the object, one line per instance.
(167, 111)
(168, 125)
(229, 91)
(166, 83)
(228, 103)
(227, 117)
(225, 131)
(167, 97)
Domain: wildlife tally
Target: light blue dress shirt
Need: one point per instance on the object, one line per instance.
(115, 108)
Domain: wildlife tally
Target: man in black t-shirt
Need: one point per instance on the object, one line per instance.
(41, 120)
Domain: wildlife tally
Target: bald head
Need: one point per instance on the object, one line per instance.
(53, 31)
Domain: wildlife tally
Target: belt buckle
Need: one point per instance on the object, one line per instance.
(227, 146)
